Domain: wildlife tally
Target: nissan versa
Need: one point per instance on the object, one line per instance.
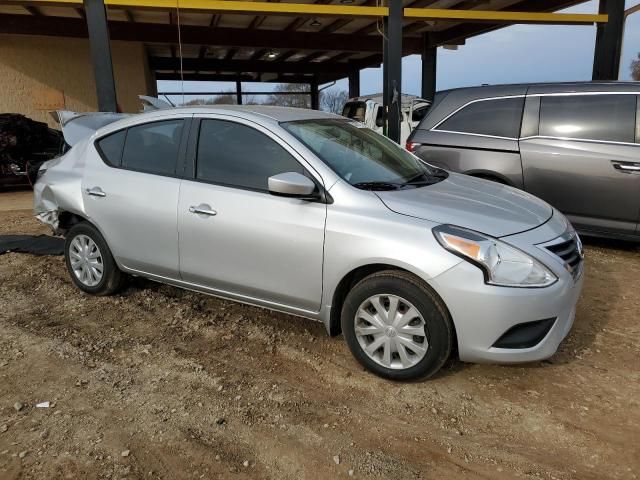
(311, 214)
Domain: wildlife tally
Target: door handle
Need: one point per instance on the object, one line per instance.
(96, 192)
(203, 210)
(627, 167)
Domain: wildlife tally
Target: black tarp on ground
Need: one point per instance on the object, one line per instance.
(36, 244)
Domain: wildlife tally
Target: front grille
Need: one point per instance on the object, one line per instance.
(570, 251)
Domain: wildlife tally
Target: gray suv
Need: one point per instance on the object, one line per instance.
(575, 145)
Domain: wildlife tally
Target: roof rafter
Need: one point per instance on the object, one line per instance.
(201, 35)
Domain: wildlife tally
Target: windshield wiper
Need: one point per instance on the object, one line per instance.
(377, 186)
(429, 178)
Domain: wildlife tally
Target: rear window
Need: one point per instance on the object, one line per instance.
(499, 117)
(590, 117)
(419, 113)
(355, 110)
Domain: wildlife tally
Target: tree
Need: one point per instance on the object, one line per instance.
(635, 68)
(294, 96)
(223, 100)
(217, 100)
(333, 100)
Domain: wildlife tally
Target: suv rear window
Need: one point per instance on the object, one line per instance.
(499, 117)
(590, 117)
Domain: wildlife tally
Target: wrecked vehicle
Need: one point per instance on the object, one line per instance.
(24, 145)
(315, 215)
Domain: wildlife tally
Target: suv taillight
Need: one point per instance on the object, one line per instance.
(411, 146)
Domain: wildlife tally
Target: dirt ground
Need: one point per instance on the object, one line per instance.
(159, 382)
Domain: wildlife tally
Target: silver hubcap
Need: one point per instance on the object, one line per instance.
(391, 331)
(86, 260)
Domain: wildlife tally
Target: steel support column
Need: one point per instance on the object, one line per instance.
(101, 55)
(354, 81)
(315, 95)
(392, 88)
(606, 59)
(238, 92)
(429, 63)
(385, 73)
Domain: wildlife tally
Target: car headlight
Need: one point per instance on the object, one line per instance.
(501, 263)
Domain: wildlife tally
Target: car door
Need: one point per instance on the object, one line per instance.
(131, 194)
(237, 238)
(584, 159)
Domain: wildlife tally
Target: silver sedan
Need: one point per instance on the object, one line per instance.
(311, 214)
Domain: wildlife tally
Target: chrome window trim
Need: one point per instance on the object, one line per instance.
(567, 94)
(587, 140)
(552, 94)
(504, 97)
(476, 135)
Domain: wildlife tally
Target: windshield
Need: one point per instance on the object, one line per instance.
(362, 157)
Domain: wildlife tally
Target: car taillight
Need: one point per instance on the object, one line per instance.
(411, 146)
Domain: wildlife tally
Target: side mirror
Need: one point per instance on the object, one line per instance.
(292, 184)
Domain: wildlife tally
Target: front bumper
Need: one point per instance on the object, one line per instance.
(482, 313)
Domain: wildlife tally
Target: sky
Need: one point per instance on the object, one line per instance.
(520, 53)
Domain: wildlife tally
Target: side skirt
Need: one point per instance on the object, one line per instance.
(256, 302)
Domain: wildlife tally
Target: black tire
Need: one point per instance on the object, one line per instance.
(112, 278)
(438, 326)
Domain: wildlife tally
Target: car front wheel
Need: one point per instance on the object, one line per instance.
(89, 261)
(396, 326)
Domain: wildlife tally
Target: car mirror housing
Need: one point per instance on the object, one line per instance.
(292, 184)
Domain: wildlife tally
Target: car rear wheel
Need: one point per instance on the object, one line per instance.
(89, 261)
(396, 326)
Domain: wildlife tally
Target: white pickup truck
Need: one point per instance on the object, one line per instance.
(369, 110)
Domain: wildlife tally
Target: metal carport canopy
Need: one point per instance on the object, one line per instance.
(307, 41)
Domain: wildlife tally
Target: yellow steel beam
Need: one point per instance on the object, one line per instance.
(503, 17)
(233, 6)
(315, 10)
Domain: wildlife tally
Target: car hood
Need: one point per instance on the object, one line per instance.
(473, 203)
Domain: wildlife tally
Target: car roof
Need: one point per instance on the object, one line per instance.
(548, 87)
(259, 113)
(276, 113)
(448, 101)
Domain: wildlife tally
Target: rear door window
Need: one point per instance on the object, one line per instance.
(590, 117)
(153, 147)
(499, 117)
